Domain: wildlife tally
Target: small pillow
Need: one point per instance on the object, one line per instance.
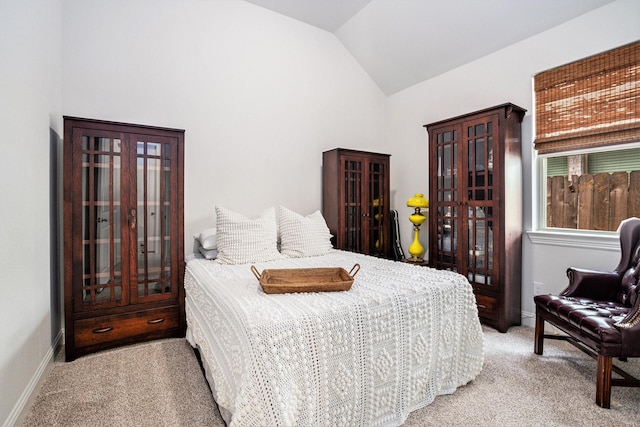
(303, 236)
(243, 240)
(208, 239)
(208, 253)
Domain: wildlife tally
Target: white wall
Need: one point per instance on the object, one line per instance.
(505, 76)
(259, 95)
(30, 48)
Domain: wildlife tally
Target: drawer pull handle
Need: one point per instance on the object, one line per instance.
(154, 321)
(482, 306)
(103, 330)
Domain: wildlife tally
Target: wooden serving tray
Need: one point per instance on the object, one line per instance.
(285, 280)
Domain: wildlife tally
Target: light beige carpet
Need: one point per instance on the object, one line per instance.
(160, 384)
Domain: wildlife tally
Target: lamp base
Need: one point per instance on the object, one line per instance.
(416, 261)
(416, 250)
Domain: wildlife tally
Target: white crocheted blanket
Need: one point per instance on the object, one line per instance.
(401, 336)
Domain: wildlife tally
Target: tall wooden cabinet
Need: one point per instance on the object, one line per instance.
(475, 206)
(123, 234)
(355, 200)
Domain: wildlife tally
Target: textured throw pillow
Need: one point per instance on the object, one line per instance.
(243, 240)
(303, 236)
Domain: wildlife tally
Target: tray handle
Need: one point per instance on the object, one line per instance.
(354, 270)
(254, 270)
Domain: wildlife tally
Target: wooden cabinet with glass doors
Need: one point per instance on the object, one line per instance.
(123, 234)
(475, 206)
(355, 200)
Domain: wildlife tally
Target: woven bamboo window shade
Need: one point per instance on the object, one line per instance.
(593, 102)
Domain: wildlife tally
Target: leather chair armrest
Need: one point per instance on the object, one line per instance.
(598, 285)
(630, 328)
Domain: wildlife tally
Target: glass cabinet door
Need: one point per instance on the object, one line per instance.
(122, 211)
(156, 221)
(479, 207)
(352, 208)
(377, 209)
(363, 205)
(97, 220)
(465, 199)
(447, 199)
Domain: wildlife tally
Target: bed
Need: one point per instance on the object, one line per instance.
(402, 335)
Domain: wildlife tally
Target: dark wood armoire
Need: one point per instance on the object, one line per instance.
(355, 200)
(475, 206)
(123, 234)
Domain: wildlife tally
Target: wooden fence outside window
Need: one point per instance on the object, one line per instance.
(593, 201)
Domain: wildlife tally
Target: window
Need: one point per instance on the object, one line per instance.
(588, 138)
(592, 190)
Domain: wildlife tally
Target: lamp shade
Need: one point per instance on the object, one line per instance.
(418, 201)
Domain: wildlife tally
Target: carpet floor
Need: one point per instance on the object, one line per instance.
(160, 384)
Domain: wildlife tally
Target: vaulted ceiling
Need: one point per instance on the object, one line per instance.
(403, 42)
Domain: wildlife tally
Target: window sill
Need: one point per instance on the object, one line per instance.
(603, 241)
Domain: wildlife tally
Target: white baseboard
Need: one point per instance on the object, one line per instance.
(23, 404)
(528, 319)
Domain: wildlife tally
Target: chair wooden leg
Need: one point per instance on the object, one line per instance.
(538, 346)
(603, 381)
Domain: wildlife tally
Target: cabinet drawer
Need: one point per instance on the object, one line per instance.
(487, 307)
(111, 328)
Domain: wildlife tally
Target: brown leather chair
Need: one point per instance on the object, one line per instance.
(600, 313)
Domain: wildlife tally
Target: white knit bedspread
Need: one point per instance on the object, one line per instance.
(401, 336)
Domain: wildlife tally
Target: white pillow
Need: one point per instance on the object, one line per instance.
(208, 253)
(208, 239)
(303, 236)
(243, 240)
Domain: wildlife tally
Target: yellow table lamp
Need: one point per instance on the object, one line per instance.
(417, 218)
